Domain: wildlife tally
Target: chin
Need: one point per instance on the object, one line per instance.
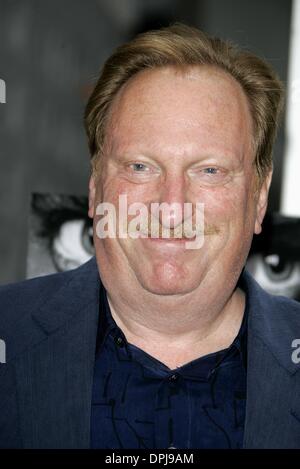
(168, 280)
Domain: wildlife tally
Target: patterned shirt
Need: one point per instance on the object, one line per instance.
(138, 402)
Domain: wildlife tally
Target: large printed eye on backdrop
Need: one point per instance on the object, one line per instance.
(60, 234)
(61, 238)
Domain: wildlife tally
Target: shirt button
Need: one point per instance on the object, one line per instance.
(173, 378)
(119, 341)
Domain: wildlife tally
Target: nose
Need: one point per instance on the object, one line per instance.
(172, 196)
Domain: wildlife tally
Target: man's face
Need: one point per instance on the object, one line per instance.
(180, 137)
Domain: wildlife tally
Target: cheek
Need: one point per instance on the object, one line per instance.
(222, 204)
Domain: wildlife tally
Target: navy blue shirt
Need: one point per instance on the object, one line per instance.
(138, 402)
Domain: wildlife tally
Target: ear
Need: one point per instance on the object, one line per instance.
(262, 202)
(92, 197)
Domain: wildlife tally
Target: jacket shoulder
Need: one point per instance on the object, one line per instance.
(262, 301)
(30, 311)
(19, 300)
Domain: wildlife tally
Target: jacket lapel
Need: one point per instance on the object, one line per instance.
(273, 380)
(55, 376)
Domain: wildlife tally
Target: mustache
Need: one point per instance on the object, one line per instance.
(187, 229)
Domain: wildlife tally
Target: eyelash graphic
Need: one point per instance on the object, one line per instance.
(65, 228)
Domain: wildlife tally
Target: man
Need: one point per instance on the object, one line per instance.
(155, 344)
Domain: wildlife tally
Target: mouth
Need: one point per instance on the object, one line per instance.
(167, 243)
(170, 240)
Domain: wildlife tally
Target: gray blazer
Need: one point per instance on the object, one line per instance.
(49, 326)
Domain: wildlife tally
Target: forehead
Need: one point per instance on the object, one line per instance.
(200, 106)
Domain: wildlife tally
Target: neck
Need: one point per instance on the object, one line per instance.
(178, 329)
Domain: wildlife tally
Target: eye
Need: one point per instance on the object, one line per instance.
(141, 172)
(210, 170)
(73, 245)
(210, 175)
(139, 167)
(277, 268)
(275, 274)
